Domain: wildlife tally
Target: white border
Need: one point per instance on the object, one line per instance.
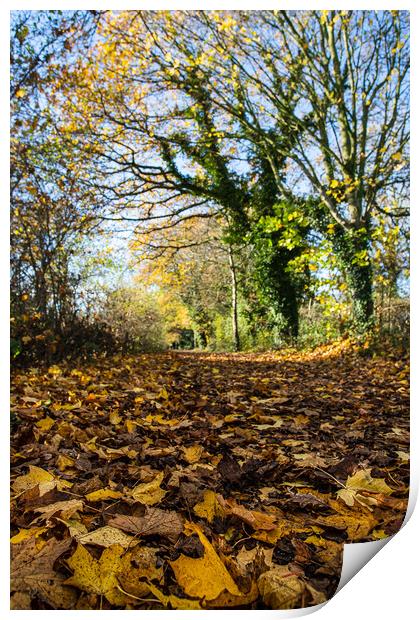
(387, 586)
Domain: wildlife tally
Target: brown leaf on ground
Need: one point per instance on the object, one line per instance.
(32, 571)
(155, 521)
(185, 477)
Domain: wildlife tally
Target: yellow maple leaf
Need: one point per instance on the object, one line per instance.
(98, 576)
(149, 493)
(131, 426)
(38, 477)
(64, 462)
(132, 577)
(192, 454)
(114, 417)
(174, 601)
(45, 424)
(204, 577)
(24, 534)
(362, 481)
(209, 508)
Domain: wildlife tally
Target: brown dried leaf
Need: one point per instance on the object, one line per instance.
(155, 521)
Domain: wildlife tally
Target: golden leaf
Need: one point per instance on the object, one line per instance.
(254, 518)
(204, 577)
(209, 507)
(114, 417)
(363, 481)
(65, 509)
(192, 454)
(24, 534)
(45, 424)
(280, 589)
(149, 492)
(174, 601)
(140, 564)
(97, 576)
(38, 477)
(97, 496)
(64, 462)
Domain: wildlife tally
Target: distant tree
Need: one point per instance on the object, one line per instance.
(51, 204)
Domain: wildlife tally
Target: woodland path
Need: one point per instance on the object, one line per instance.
(134, 474)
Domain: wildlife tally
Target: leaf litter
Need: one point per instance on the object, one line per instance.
(203, 481)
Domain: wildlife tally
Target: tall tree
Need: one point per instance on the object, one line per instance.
(166, 152)
(351, 84)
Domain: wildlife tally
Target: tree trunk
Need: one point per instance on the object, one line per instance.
(235, 328)
(352, 247)
(360, 284)
(282, 289)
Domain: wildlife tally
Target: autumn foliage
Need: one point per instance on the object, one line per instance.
(200, 481)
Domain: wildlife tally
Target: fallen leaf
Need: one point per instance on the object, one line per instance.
(98, 576)
(192, 454)
(65, 509)
(25, 534)
(115, 418)
(210, 507)
(281, 589)
(204, 577)
(174, 601)
(254, 518)
(360, 482)
(38, 477)
(105, 537)
(64, 462)
(32, 570)
(149, 493)
(137, 567)
(103, 494)
(154, 522)
(306, 502)
(45, 424)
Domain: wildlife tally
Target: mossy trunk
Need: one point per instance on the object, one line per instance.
(352, 247)
(279, 286)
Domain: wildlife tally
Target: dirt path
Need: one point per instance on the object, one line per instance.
(194, 480)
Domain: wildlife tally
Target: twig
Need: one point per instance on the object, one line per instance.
(146, 600)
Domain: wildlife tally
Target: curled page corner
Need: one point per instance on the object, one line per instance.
(356, 555)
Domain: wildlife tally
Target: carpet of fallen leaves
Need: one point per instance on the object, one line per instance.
(192, 480)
